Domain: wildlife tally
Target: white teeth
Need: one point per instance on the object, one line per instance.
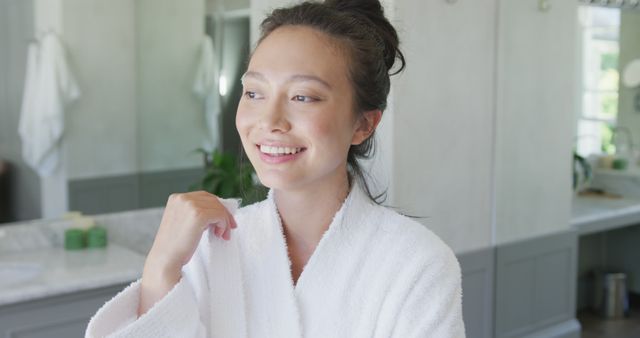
(279, 150)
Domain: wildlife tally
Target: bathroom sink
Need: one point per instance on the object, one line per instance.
(16, 273)
(621, 182)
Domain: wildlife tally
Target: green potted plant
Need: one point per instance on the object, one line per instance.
(581, 171)
(226, 177)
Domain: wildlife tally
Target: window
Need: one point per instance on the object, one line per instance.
(600, 79)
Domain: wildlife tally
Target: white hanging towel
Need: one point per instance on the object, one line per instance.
(49, 87)
(206, 87)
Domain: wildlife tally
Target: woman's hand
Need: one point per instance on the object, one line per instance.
(186, 216)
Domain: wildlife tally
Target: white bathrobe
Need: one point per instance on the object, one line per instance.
(374, 273)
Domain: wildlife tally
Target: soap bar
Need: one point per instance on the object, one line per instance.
(74, 239)
(97, 237)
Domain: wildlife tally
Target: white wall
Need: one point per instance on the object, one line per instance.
(135, 62)
(171, 122)
(102, 125)
(475, 70)
(444, 115)
(534, 125)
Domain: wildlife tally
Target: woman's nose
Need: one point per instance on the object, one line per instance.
(275, 117)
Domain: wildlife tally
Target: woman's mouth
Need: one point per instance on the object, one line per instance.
(273, 154)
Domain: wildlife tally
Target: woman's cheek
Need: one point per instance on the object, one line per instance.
(331, 129)
(320, 128)
(243, 121)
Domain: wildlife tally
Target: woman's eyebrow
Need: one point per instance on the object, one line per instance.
(252, 74)
(293, 78)
(313, 78)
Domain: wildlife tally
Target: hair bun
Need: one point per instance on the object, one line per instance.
(373, 12)
(366, 7)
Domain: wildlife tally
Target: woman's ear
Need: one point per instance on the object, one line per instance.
(366, 125)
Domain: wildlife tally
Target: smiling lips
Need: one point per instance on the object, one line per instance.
(272, 150)
(277, 154)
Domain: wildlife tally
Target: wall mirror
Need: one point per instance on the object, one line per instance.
(157, 80)
(608, 118)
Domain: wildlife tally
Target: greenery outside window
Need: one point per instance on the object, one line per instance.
(600, 28)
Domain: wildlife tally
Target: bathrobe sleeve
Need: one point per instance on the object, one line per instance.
(433, 305)
(178, 314)
(175, 315)
(185, 311)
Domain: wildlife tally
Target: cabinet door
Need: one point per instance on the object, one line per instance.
(63, 316)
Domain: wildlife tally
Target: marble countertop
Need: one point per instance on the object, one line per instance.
(597, 214)
(60, 271)
(34, 263)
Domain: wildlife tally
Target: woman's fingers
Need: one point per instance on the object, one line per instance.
(224, 233)
(218, 230)
(230, 224)
(223, 229)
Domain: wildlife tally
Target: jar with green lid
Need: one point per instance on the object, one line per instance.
(74, 239)
(97, 237)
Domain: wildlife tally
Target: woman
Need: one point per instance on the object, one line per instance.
(319, 257)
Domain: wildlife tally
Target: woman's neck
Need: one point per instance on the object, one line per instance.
(307, 213)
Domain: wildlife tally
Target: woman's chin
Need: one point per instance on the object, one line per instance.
(278, 181)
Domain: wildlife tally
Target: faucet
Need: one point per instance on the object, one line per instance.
(614, 139)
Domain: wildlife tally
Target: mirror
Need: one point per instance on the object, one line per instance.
(157, 80)
(608, 118)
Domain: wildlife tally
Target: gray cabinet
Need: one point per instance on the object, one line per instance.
(61, 316)
(535, 287)
(478, 271)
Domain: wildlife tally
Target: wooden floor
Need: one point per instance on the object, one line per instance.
(594, 326)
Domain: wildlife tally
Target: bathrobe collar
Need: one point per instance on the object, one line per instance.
(273, 293)
(355, 200)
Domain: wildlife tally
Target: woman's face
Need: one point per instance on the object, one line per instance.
(297, 98)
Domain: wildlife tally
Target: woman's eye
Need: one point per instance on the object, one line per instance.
(250, 94)
(303, 98)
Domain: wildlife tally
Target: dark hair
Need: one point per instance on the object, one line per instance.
(371, 44)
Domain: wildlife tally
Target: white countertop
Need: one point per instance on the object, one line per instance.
(65, 271)
(597, 214)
